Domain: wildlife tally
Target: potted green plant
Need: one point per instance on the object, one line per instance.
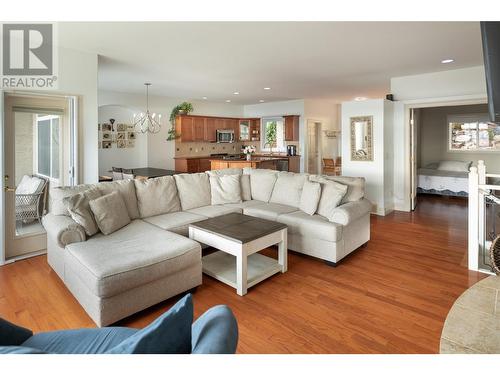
(180, 109)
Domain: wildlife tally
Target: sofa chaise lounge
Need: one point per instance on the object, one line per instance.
(151, 258)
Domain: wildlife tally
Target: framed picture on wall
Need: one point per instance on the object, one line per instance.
(106, 144)
(121, 127)
(120, 136)
(121, 143)
(131, 135)
(106, 127)
(130, 143)
(107, 136)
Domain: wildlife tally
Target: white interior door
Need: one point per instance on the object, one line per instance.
(313, 147)
(36, 143)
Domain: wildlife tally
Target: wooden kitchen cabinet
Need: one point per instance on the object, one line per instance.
(294, 164)
(292, 128)
(185, 126)
(255, 129)
(199, 129)
(210, 129)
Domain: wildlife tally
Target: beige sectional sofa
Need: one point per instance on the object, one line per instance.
(152, 259)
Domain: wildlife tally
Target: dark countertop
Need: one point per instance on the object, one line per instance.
(152, 172)
(274, 156)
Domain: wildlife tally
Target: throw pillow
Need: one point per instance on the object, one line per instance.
(331, 195)
(246, 193)
(57, 195)
(79, 210)
(157, 196)
(225, 189)
(110, 212)
(261, 183)
(454, 166)
(169, 334)
(309, 200)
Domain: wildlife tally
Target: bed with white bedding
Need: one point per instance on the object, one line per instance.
(449, 178)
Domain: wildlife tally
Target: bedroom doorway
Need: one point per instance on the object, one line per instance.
(445, 139)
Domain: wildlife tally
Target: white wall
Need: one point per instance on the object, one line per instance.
(434, 137)
(78, 76)
(289, 107)
(372, 171)
(160, 152)
(135, 157)
(449, 83)
(460, 86)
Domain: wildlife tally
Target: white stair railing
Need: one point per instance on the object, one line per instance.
(478, 191)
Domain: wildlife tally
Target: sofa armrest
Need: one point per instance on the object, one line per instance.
(64, 229)
(351, 211)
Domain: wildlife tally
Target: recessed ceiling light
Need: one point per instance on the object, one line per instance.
(228, 101)
(360, 98)
(261, 100)
(236, 93)
(204, 98)
(447, 61)
(267, 88)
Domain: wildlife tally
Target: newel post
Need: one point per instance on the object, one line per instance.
(473, 224)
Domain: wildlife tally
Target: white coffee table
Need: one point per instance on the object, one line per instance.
(239, 239)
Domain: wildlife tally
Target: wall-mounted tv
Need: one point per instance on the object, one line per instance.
(490, 33)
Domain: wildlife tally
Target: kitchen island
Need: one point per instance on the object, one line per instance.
(260, 162)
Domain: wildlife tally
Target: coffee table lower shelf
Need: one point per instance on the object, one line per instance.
(222, 266)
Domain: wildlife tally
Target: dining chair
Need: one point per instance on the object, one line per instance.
(128, 174)
(328, 166)
(117, 173)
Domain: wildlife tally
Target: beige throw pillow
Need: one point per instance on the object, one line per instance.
(157, 196)
(79, 210)
(110, 212)
(225, 189)
(309, 200)
(246, 192)
(331, 195)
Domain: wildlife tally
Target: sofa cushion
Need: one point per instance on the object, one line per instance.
(137, 254)
(157, 196)
(288, 188)
(80, 341)
(355, 187)
(168, 334)
(79, 209)
(126, 188)
(57, 195)
(193, 189)
(269, 211)
(261, 183)
(311, 194)
(246, 191)
(331, 195)
(225, 189)
(244, 204)
(177, 222)
(214, 211)
(314, 226)
(110, 212)
(225, 172)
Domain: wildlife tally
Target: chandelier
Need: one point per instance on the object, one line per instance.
(147, 122)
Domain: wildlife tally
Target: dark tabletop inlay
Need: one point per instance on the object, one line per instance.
(238, 227)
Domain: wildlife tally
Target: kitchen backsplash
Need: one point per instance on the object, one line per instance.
(206, 148)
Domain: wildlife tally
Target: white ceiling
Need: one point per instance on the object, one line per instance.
(338, 60)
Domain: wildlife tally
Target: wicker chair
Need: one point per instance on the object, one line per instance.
(117, 174)
(495, 255)
(128, 174)
(30, 200)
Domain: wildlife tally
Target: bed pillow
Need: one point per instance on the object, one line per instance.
(454, 166)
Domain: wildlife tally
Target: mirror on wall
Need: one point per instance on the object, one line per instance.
(244, 130)
(361, 138)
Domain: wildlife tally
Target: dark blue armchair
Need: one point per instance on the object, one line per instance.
(215, 332)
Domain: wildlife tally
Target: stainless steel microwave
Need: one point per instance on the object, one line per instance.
(225, 136)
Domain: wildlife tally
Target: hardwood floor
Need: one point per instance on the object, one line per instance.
(390, 296)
